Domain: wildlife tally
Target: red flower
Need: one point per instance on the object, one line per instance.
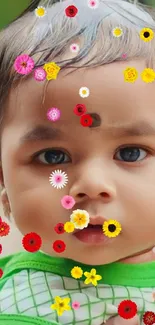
(86, 120)
(1, 273)
(0, 248)
(127, 309)
(149, 318)
(80, 109)
(59, 228)
(71, 11)
(4, 229)
(0, 220)
(59, 246)
(32, 242)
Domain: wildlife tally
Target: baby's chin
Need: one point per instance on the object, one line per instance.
(147, 256)
(144, 257)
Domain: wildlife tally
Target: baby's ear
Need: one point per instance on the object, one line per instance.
(121, 321)
(1, 177)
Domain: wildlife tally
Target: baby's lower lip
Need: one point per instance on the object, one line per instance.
(91, 236)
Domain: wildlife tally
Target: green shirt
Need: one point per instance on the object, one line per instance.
(31, 281)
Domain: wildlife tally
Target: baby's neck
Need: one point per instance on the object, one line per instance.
(147, 256)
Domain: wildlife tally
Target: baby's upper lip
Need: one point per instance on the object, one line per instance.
(94, 220)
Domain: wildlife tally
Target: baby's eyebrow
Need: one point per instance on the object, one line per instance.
(42, 133)
(140, 128)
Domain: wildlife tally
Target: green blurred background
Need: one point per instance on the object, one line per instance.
(11, 9)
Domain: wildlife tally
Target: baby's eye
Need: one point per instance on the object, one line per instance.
(131, 154)
(52, 157)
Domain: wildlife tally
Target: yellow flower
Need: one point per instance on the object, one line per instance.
(52, 70)
(40, 11)
(61, 305)
(146, 34)
(130, 74)
(92, 277)
(76, 272)
(111, 228)
(148, 75)
(117, 32)
(69, 226)
(80, 218)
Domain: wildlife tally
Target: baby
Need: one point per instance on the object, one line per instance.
(77, 164)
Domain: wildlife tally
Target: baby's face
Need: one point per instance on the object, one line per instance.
(103, 179)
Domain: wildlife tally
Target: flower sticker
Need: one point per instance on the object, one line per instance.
(4, 229)
(148, 75)
(53, 114)
(92, 277)
(76, 272)
(69, 227)
(61, 305)
(149, 318)
(52, 70)
(130, 74)
(124, 55)
(117, 32)
(93, 4)
(80, 218)
(74, 48)
(111, 228)
(24, 64)
(75, 305)
(84, 92)
(79, 109)
(86, 120)
(40, 11)
(58, 179)
(71, 11)
(59, 228)
(39, 74)
(32, 242)
(127, 309)
(67, 202)
(59, 246)
(146, 34)
(1, 273)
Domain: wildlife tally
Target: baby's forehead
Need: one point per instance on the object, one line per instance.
(108, 96)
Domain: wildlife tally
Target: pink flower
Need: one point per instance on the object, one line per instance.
(124, 55)
(67, 202)
(40, 74)
(24, 64)
(53, 114)
(93, 4)
(75, 305)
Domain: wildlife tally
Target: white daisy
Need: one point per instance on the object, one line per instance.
(80, 218)
(58, 179)
(93, 4)
(84, 92)
(40, 11)
(117, 32)
(74, 48)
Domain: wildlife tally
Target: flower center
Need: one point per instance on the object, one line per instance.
(31, 241)
(146, 34)
(61, 304)
(112, 228)
(24, 64)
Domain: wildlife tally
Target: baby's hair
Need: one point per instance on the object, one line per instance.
(47, 39)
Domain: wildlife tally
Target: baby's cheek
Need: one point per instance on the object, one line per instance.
(39, 210)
